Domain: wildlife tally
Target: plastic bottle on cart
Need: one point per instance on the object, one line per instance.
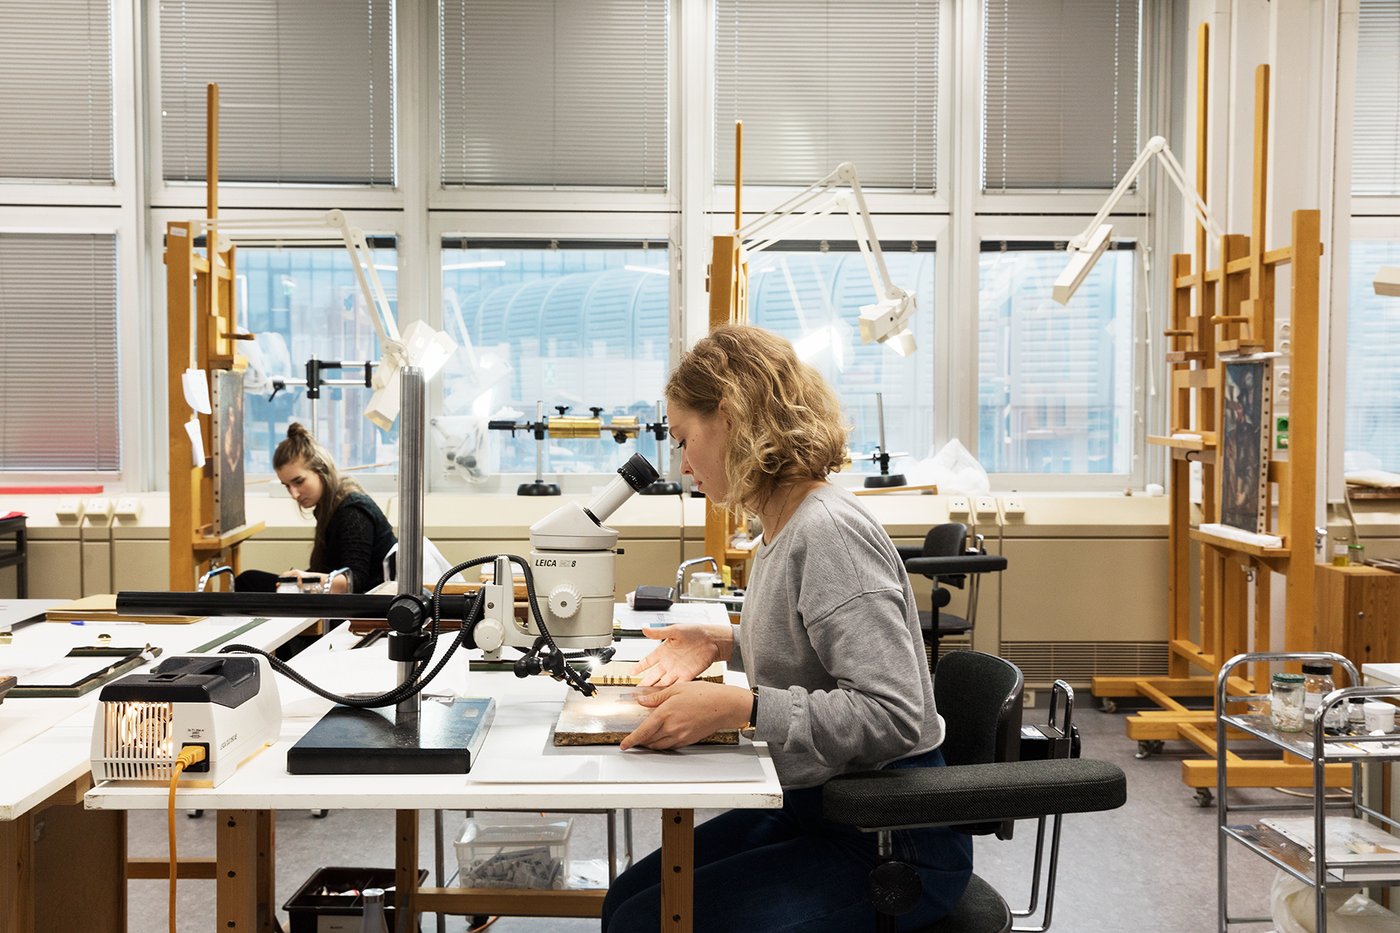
(1317, 683)
(373, 920)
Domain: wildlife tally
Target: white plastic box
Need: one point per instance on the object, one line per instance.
(513, 850)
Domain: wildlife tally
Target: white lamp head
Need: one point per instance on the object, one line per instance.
(887, 322)
(1081, 260)
(1388, 282)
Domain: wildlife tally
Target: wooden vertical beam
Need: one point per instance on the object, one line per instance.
(17, 875)
(677, 870)
(236, 887)
(1301, 492)
(405, 871)
(184, 478)
(266, 880)
(1263, 616)
(1259, 215)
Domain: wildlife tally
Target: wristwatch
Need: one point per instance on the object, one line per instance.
(747, 730)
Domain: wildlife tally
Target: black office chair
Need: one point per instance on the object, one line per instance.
(949, 558)
(983, 790)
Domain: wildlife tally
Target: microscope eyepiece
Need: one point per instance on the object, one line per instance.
(638, 472)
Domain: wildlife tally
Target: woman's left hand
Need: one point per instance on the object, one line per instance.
(683, 714)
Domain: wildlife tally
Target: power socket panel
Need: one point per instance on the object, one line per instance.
(97, 510)
(68, 511)
(958, 507)
(128, 509)
(987, 508)
(1013, 507)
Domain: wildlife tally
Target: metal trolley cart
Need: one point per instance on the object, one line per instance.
(1309, 864)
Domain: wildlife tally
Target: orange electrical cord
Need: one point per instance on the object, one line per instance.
(189, 755)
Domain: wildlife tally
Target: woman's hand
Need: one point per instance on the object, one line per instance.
(685, 651)
(684, 714)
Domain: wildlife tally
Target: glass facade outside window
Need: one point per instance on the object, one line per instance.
(578, 324)
(1373, 345)
(304, 302)
(1054, 382)
(813, 297)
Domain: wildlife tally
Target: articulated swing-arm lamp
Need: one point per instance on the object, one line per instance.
(887, 320)
(1085, 249)
(419, 345)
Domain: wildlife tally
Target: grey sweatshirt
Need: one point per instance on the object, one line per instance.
(829, 635)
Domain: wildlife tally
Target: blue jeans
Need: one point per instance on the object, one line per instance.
(789, 869)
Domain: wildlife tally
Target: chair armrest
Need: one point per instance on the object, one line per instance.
(959, 563)
(1018, 790)
(908, 552)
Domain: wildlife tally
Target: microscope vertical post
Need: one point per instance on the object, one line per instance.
(410, 558)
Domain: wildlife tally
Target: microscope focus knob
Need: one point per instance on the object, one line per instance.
(564, 600)
(488, 634)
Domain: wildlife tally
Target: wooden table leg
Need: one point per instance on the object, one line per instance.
(236, 887)
(406, 871)
(677, 870)
(267, 871)
(16, 875)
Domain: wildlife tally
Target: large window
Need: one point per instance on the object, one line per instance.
(304, 302)
(56, 90)
(576, 324)
(1054, 382)
(306, 90)
(817, 84)
(58, 352)
(812, 294)
(1059, 93)
(1376, 133)
(554, 92)
(1372, 376)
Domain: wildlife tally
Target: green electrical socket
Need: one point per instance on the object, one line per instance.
(1281, 433)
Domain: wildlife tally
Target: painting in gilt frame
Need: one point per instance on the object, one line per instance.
(1246, 410)
(228, 451)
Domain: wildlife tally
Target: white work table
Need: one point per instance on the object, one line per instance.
(45, 767)
(518, 768)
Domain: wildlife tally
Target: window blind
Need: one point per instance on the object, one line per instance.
(554, 92)
(817, 84)
(1375, 164)
(1060, 93)
(58, 352)
(306, 90)
(56, 90)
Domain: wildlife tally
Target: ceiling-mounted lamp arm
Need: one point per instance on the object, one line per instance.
(367, 276)
(755, 228)
(866, 239)
(1154, 146)
(1178, 176)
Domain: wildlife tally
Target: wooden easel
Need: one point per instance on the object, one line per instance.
(200, 335)
(1227, 310)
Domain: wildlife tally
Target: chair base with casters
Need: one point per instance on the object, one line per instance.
(983, 789)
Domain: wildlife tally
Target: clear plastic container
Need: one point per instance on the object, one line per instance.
(513, 850)
(1286, 702)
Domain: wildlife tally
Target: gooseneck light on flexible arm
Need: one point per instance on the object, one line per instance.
(1085, 249)
(887, 320)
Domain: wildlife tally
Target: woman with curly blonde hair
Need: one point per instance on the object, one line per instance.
(829, 638)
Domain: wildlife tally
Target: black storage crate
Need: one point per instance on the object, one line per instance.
(335, 912)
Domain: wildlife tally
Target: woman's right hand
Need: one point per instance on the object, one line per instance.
(684, 653)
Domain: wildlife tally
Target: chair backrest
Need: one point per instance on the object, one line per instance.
(979, 697)
(945, 540)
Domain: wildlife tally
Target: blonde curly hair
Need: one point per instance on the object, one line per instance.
(785, 424)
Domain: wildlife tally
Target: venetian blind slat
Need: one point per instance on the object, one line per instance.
(546, 93)
(1060, 93)
(56, 90)
(825, 83)
(306, 92)
(61, 406)
(1375, 168)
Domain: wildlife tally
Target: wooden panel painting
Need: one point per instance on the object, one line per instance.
(1246, 409)
(228, 451)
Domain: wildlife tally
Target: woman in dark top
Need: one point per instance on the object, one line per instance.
(351, 531)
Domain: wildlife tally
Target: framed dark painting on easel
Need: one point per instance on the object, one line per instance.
(1246, 409)
(228, 450)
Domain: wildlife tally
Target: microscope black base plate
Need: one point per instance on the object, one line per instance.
(537, 488)
(884, 480)
(443, 738)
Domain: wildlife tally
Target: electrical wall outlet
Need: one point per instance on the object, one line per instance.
(97, 510)
(958, 507)
(128, 509)
(1028, 698)
(69, 510)
(986, 507)
(1013, 506)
